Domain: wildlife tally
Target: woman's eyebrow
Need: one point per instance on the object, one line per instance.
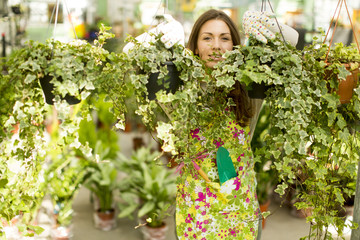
(210, 33)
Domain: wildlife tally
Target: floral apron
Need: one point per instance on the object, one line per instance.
(208, 210)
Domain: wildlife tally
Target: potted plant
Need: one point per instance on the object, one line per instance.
(99, 135)
(342, 67)
(102, 182)
(304, 116)
(64, 176)
(169, 108)
(147, 190)
(89, 69)
(160, 70)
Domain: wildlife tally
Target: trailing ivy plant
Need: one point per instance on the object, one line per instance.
(76, 68)
(179, 111)
(311, 138)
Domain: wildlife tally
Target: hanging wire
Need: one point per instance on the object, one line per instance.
(263, 8)
(71, 22)
(352, 26)
(51, 18)
(263, 5)
(332, 19)
(154, 17)
(340, 3)
(56, 16)
(56, 11)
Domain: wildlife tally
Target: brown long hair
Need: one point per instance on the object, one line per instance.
(243, 109)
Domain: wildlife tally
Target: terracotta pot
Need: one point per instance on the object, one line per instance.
(61, 232)
(263, 208)
(138, 142)
(302, 213)
(347, 86)
(105, 221)
(150, 233)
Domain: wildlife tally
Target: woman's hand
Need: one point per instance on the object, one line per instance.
(172, 30)
(263, 26)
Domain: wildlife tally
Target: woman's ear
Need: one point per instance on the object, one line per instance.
(196, 51)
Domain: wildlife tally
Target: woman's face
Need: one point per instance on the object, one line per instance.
(213, 41)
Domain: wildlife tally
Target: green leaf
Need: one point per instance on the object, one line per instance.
(341, 122)
(146, 208)
(128, 211)
(343, 73)
(281, 188)
(29, 78)
(288, 148)
(3, 182)
(332, 100)
(38, 230)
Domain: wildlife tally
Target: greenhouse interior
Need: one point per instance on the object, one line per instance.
(115, 123)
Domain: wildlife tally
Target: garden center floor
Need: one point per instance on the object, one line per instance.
(280, 225)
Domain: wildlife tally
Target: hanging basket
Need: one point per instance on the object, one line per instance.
(346, 87)
(48, 88)
(258, 90)
(169, 83)
(45, 83)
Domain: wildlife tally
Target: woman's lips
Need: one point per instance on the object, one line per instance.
(215, 58)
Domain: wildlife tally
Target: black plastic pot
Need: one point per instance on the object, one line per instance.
(48, 87)
(172, 80)
(16, 9)
(257, 90)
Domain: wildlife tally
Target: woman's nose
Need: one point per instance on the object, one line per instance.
(216, 45)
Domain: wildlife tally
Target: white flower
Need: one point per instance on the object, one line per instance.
(188, 201)
(198, 189)
(227, 187)
(241, 138)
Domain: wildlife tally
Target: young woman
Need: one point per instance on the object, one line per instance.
(206, 209)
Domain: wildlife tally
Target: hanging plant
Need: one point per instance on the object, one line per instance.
(305, 119)
(170, 109)
(341, 65)
(85, 70)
